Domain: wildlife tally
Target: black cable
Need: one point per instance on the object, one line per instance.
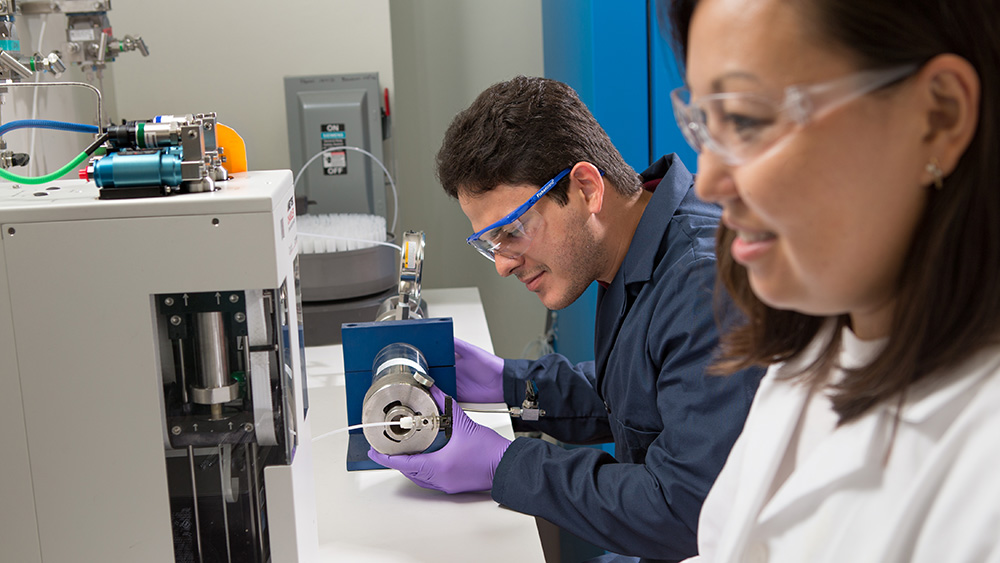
(90, 150)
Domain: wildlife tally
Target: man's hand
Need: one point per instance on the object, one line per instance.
(466, 463)
(478, 374)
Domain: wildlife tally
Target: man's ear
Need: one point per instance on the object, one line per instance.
(950, 93)
(587, 178)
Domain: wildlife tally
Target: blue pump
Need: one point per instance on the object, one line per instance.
(127, 169)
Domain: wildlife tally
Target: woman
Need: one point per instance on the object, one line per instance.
(853, 146)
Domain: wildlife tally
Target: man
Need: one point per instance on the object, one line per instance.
(554, 204)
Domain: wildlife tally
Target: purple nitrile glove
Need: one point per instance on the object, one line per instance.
(478, 374)
(466, 463)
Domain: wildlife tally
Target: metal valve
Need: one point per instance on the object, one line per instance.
(399, 391)
(49, 63)
(529, 407)
(136, 43)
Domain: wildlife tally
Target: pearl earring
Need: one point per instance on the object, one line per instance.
(936, 173)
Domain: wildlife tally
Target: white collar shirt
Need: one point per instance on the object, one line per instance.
(935, 496)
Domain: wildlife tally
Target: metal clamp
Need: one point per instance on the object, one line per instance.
(406, 304)
(411, 265)
(529, 407)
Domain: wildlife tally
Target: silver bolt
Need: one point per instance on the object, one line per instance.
(176, 430)
(233, 298)
(193, 134)
(169, 301)
(248, 427)
(208, 126)
(175, 320)
(240, 317)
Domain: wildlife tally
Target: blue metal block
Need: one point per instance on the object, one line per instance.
(358, 446)
(618, 58)
(122, 170)
(599, 49)
(363, 341)
(665, 75)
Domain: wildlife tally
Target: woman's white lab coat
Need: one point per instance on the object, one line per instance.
(930, 494)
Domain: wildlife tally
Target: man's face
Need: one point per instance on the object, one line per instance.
(563, 257)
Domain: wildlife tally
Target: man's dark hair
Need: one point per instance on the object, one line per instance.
(525, 131)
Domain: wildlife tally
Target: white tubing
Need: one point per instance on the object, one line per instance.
(395, 198)
(405, 423)
(33, 163)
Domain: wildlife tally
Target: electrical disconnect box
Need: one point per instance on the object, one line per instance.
(329, 111)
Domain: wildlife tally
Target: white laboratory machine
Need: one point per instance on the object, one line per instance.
(153, 404)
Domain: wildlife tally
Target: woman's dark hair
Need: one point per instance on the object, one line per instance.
(525, 131)
(948, 295)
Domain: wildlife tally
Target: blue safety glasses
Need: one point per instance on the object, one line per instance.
(511, 236)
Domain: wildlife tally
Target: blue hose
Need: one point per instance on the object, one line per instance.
(48, 124)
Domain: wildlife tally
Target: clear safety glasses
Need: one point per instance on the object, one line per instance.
(511, 236)
(739, 126)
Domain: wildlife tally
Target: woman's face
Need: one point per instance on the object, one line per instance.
(823, 218)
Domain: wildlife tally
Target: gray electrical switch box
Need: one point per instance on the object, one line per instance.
(329, 111)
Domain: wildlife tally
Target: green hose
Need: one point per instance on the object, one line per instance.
(46, 178)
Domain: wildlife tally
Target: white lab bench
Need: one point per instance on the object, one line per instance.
(379, 515)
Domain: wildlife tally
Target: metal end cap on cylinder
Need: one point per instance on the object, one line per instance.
(399, 390)
(393, 402)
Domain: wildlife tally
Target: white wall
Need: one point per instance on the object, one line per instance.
(230, 56)
(445, 53)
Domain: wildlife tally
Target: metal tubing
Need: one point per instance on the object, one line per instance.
(15, 65)
(100, 113)
(194, 500)
(102, 49)
(181, 371)
(223, 470)
(252, 454)
(252, 521)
